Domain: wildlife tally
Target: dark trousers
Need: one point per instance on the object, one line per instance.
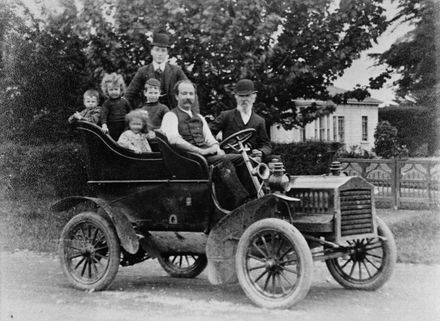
(232, 178)
(115, 129)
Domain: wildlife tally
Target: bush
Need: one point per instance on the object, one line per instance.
(416, 126)
(385, 140)
(308, 158)
(44, 171)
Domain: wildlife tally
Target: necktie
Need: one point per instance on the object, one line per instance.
(158, 74)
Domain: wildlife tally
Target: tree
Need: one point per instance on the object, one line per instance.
(385, 140)
(412, 124)
(43, 75)
(415, 59)
(290, 48)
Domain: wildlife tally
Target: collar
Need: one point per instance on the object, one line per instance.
(161, 66)
(186, 111)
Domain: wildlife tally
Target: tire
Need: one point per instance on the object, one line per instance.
(274, 251)
(183, 265)
(89, 251)
(370, 264)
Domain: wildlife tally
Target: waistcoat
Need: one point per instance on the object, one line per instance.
(190, 128)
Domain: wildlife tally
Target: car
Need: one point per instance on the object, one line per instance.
(164, 205)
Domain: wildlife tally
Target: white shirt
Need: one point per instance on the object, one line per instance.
(245, 117)
(170, 127)
(157, 66)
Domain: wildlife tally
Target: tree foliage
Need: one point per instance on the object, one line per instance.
(414, 57)
(290, 48)
(386, 143)
(412, 124)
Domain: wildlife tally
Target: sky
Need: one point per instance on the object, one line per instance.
(363, 68)
(360, 71)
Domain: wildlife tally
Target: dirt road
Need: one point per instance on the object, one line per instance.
(34, 288)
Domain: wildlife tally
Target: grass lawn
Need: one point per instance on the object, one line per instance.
(31, 225)
(417, 234)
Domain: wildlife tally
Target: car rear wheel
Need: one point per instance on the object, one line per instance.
(370, 263)
(274, 264)
(89, 251)
(183, 265)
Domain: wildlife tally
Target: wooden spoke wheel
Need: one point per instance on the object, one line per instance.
(274, 264)
(370, 261)
(183, 265)
(89, 251)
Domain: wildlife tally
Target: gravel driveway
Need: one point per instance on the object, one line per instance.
(34, 288)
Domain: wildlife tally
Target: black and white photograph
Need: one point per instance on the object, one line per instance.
(212, 160)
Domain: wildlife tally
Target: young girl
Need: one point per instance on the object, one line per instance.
(136, 137)
(115, 108)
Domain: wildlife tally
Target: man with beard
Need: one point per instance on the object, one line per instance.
(189, 131)
(242, 117)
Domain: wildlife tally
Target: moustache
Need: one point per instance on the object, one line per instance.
(188, 100)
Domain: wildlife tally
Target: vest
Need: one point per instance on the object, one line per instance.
(190, 128)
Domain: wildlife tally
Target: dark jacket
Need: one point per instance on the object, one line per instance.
(92, 115)
(170, 76)
(230, 122)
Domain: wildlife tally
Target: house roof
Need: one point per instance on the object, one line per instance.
(333, 90)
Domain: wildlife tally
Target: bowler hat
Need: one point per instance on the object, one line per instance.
(244, 87)
(161, 40)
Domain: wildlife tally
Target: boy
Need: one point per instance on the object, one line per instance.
(155, 109)
(92, 111)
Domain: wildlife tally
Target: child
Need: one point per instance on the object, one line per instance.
(155, 109)
(92, 111)
(136, 137)
(115, 108)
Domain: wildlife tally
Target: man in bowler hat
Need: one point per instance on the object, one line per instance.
(159, 68)
(243, 117)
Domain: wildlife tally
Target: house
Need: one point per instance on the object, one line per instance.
(352, 123)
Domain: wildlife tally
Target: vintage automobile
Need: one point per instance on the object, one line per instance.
(164, 205)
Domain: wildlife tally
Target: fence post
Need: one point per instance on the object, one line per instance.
(395, 186)
(397, 179)
(429, 178)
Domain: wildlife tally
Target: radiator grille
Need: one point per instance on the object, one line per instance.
(356, 212)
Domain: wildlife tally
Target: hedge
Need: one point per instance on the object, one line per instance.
(54, 170)
(307, 158)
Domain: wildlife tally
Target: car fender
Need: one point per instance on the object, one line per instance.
(224, 236)
(124, 229)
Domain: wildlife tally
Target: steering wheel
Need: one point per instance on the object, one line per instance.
(232, 141)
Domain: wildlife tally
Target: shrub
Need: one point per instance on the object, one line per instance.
(385, 140)
(415, 125)
(307, 158)
(46, 170)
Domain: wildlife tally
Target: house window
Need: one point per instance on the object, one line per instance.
(302, 133)
(328, 127)
(335, 129)
(321, 128)
(365, 128)
(316, 129)
(341, 129)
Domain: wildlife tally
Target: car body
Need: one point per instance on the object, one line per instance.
(164, 205)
